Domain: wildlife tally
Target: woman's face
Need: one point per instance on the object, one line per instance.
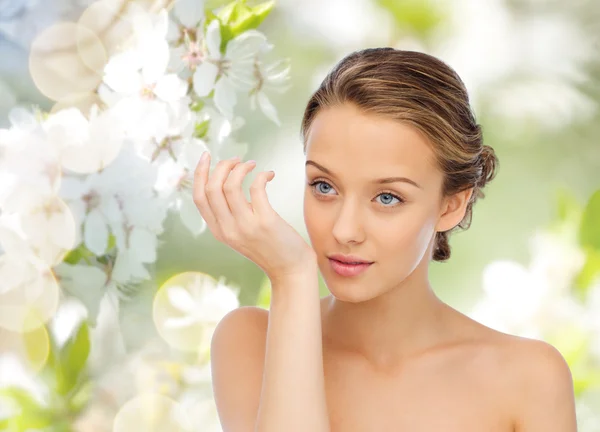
(348, 212)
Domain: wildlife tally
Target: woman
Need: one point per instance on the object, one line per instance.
(394, 163)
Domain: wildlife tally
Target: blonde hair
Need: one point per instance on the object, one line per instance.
(423, 91)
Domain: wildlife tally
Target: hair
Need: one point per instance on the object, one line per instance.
(423, 91)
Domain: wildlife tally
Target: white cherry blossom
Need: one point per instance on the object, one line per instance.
(85, 145)
(115, 200)
(203, 302)
(272, 79)
(142, 93)
(229, 72)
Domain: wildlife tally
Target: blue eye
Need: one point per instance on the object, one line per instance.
(389, 195)
(318, 183)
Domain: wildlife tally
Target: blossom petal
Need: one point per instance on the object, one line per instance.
(267, 108)
(87, 283)
(170, 88)
(204, 78)
(172, 31)
(160, 23)
(95, 233)
(189, 12)
(225, 96)
(156, 60)
(213, 39)
(191, 152)
(190, 216)
(72, 188)
(128, 268)
(245, 46)
(181, 298)
(121, 73)
(143, 245)
(180, 322)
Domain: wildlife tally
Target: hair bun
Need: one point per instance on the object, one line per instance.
(489, 163)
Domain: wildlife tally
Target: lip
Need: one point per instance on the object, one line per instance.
(348, 270)
(347, 259)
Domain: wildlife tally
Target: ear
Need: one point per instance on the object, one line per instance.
(453, 210)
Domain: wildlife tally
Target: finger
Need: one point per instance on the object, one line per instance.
(216, 197)
(258, 194)
(199, 194)
(241, 209)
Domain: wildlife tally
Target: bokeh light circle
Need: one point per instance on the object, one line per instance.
(31, 348)
(50, 229)
(110, 21)
(66, 58)
(188, 307)
(29, 293)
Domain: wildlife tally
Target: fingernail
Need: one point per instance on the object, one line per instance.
(251, 161)
(204, 156)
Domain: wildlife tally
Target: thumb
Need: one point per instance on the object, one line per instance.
(258, 193)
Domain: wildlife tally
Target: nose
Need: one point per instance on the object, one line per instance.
(348, 227)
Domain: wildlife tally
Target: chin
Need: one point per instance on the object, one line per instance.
(349, 292)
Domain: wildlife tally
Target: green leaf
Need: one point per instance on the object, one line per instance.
(589, 230)
(225, 13)
(262, 10)
(73, 357)
(19, 398)
(250, 18)
(210, 17)
(112, 242)
(197, 105)
(201, 129)
(237, 17)
(28, 420)
(81, 397)
(78, 254)
(30, 414)
(240, 14)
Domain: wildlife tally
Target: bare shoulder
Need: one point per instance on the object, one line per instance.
(241, 321)
(536, 382)
(237, 360)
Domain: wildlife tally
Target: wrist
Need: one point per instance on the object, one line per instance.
(305, 272)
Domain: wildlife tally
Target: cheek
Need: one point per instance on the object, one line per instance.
(313, 219)
(407, 235)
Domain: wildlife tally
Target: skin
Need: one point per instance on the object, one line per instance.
(395, 357)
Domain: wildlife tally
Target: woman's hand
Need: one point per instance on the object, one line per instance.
(253, 229)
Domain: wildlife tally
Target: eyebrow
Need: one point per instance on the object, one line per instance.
(378, 181)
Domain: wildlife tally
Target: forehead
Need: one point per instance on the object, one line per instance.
(345, 139)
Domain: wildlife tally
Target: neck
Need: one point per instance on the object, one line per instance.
(389, 328)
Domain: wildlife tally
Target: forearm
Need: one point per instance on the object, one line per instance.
(293, 389)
